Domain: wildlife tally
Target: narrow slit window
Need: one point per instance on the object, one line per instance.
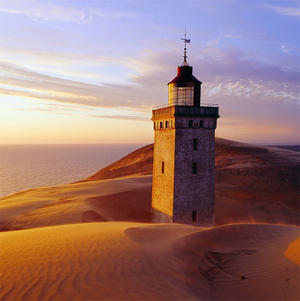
(162, 167)
(190, 123)
(195, 169)
(167, 124)
(194, 216)
(161, 124)
(195, 144)
(201, 123)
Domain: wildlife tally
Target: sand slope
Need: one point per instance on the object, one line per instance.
(127, 261)
(136, 163)
(115, 199)
(253, 184)
(72, 250)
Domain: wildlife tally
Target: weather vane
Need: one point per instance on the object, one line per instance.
(185, 41)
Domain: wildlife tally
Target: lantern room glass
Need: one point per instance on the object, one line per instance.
(182, 95)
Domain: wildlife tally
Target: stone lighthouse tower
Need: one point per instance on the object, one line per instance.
(184, 144)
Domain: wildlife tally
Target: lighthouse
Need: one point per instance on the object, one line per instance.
(183, 189)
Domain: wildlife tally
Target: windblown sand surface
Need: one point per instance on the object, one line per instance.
(116, 199)
(69, 246)
(253, 184)
(130, 261)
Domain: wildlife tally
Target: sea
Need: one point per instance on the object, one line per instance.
(24, 167)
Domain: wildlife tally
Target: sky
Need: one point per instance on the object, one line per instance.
(91, 71)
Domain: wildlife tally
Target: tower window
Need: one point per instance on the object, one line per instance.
(194, 216)
(201, 123)
(167, 124)
(161, 124)
(162, 167)
(195, 169)
(195, 144)
(190, 123)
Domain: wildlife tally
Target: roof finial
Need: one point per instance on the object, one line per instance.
(185, 41)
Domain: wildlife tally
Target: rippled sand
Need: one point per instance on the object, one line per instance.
(64, 242)
(130, 261)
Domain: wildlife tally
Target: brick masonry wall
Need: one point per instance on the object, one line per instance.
(163, 183)
(178, 192)
(194, 192)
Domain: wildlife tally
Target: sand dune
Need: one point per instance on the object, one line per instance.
(72, 250)
(136, 163)
(241, 262)
(130, 261)
(253, 184)
(115, 199)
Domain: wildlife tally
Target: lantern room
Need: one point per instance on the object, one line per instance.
(184, 89)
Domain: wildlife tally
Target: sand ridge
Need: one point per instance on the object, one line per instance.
(293, 251)
(114, 199)
(67, 246)
(253, 184)
(131, 261)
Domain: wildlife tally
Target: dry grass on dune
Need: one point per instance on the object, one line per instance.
(130, 261)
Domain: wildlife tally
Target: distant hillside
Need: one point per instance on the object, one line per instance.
(295, 148)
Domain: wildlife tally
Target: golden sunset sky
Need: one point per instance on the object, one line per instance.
(91, 71)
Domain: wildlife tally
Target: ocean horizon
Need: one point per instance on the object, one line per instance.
(28, 166)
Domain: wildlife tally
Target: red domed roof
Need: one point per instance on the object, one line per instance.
(185, 75)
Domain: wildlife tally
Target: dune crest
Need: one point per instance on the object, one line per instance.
(293, 251)
(253, 184)
(115, 199)
(131, 261)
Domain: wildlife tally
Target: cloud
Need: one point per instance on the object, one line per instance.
(232, 36)
(45, 10)
(228, 79)
(113, 15)
(283, 10)
(51, 11)
(248, 92)
(18, 81)
(231, 63)
(224, 71)
(123, 117)
(287, 49)
(214, 42)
